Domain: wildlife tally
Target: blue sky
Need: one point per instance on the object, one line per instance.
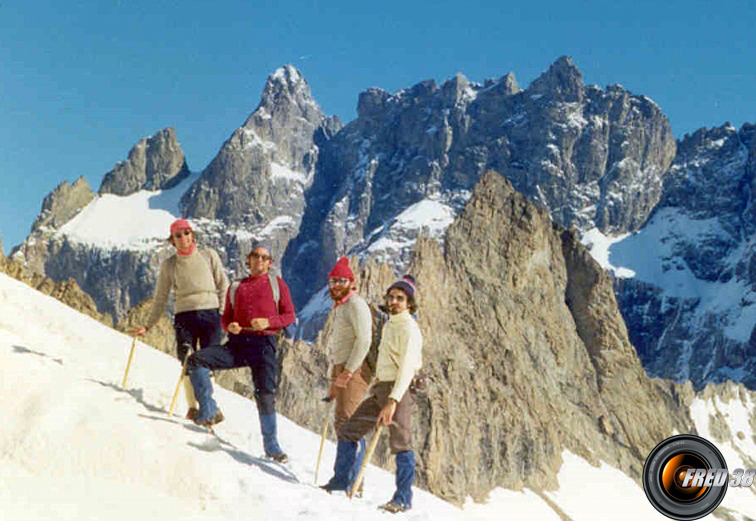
(82, 81)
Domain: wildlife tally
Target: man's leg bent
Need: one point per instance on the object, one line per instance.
(199, 365)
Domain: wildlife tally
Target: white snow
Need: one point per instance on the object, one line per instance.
(736, 413)
(430, 216)
(319, 304)
(282, 221)
(428, 213)
(599, 246)
(648, 256)
(278, 171)
(133, 222)
(76, 446)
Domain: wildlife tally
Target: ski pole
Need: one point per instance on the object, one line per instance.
(178, 384)
(327, 399)
(363, 467)
(128, 364)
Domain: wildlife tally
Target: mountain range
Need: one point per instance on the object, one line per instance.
(671, 219)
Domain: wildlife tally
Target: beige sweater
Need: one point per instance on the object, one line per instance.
(351, 333)
(198, 282)
(400, 354)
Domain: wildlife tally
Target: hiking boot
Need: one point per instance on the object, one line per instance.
(210, 421)
(393, 508)
(192, 413)
(329, 487)
(280, 457)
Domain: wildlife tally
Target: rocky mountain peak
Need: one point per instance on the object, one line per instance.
(506, 85)
(286, 92)
(255, 186)
(62, 204)
(154, 163)
(563, 81)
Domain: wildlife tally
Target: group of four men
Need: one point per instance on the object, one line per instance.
(252, 311)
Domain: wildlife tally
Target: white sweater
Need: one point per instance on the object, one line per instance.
(400, 354)
(351, 333)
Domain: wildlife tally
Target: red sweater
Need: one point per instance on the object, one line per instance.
(254, 299)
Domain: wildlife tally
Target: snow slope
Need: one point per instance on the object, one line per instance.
(133, 222)
(75, 446)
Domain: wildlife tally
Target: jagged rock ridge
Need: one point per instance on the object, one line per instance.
(581, 152)
(526, 353)
(154, 163)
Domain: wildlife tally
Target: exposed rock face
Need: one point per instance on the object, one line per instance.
(406, 166)
(267, 163)
(577, 150)
(58, 207)
(520, 328)
(253, 190)
(154, 163)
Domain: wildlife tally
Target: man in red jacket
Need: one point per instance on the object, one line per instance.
(252, 318)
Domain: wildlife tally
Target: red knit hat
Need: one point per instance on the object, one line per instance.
(342, 270)
(180, 224)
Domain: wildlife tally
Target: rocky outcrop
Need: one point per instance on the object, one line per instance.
(253, 190)
(58, 207)
(268, 162)
(154, 163)
(526, 354)
(67, 291)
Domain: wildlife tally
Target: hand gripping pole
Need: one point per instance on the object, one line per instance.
(365, 461)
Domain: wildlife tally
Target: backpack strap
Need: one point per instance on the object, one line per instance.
(275, 289)
(273, 286)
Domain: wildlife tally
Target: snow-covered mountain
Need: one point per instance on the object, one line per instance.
(685, 280)
(76, 446)
(602, 160)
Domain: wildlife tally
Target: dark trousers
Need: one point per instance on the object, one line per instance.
(201, 325)
(258, 352)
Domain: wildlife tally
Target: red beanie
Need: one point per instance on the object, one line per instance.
(180, 224)
(342, 270)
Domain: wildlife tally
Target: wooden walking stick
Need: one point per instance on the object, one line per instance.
(368, 455)
(128, 364)
(323, 437)
(178, 384)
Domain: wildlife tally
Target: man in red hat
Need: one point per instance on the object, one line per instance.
(348, 345)
(199, 283)
(390, 401)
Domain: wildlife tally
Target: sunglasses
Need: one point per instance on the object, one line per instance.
(262, 256)
(180, 233)
(336, 281)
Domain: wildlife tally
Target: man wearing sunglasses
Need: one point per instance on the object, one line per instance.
(255, 312)
(348, 344)
(199, 283)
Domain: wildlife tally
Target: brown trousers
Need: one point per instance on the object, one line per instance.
(365, 417)
(349, 397)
